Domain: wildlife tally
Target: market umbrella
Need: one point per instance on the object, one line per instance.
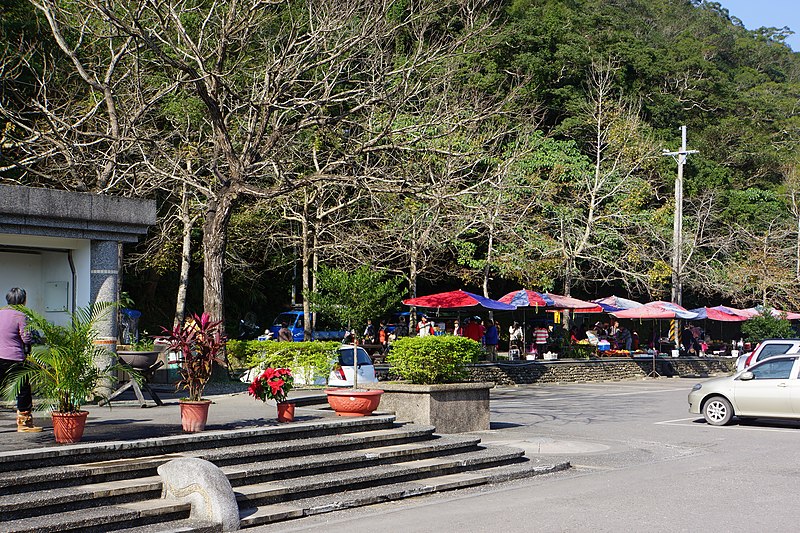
(526, 298)
(457, 299)
(719, 313)
(610, 304)
(567, 302)
(656, 310)
(549, 300)
(750, 312)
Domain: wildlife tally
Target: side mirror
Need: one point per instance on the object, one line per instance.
(746, 376)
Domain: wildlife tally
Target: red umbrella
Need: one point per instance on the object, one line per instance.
(456, 299)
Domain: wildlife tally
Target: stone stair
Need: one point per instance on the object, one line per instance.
(277, 473)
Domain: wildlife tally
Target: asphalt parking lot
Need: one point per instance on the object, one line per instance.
(640, 461)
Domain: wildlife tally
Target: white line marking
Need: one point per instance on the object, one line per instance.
(730, 428)
(645, 392)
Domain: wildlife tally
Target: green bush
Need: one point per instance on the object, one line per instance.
(429, 360)
(316, 355)
(766, 326)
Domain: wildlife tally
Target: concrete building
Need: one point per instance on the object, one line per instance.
(63, 247)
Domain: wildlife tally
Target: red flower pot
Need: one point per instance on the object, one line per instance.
(349, 402)
(68, 427)
(285, 412)
(194, 415)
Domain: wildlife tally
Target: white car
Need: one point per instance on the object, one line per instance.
(768, 389)
(342, 373)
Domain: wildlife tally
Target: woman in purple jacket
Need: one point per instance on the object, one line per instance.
(15, 341)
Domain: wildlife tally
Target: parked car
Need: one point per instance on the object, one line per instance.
(295, 320)
(767, 348)
(342, 373)
(768, 389)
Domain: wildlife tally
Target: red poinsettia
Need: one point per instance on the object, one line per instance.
(273, 384)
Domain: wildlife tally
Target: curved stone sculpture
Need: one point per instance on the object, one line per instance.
(202, 484)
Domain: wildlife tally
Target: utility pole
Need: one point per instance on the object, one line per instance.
(677, 227)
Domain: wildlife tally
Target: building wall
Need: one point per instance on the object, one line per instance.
(41, 266)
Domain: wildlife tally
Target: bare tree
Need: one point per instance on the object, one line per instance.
(590, 212)
(269, 79)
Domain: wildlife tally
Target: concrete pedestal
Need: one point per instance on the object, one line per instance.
(451, 408)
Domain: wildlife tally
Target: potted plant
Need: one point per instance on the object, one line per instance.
(275, 384)
(352, 298)
(434, 391)
(63, 371)
(196, 345)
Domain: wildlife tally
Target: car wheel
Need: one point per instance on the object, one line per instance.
(717, 411)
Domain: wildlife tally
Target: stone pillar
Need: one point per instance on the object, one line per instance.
(104, 287)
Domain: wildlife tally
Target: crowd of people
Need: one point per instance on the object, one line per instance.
(528, 340)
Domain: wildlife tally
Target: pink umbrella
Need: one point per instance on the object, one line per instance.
(567, 302)
(656, 310)
(720, 313)
(750, 312)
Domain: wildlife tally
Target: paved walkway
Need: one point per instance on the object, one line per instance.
(125, 420)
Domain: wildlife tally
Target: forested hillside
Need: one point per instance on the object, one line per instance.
(462, 143)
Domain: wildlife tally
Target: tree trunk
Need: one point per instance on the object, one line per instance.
(186, 258)
(314, 269)
(412, 285)
(215, 240)
(306, 262)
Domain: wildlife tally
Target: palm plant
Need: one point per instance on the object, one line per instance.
(63, 372)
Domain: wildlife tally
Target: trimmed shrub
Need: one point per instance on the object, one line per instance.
(316, 355)
(428, 360)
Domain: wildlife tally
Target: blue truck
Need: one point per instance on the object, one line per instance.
(294, 321)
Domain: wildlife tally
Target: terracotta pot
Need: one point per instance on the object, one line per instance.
(194, 415)
(68, 427)
(285, 412)
(349, 402)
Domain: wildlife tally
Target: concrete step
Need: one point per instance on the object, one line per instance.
(18, 461)
(278, 512)
(33, 503)
(316, 484)
(152, 512)
(99, 471)
(278, 473)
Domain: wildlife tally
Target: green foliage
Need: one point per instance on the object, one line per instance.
(316, 355)
(440, 359)
(63, 372)
(766, 326)
(353, 297)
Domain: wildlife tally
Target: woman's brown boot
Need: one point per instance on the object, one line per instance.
(25, 423)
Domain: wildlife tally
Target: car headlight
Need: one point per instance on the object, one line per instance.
(697, 387)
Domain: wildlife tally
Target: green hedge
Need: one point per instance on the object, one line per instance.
(430, 360)
(315, 354)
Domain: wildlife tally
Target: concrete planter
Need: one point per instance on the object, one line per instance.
(451, 408)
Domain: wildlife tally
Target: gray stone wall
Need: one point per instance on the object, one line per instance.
(578, 371)
(56, 213)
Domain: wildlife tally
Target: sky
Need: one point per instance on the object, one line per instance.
(770, 13)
